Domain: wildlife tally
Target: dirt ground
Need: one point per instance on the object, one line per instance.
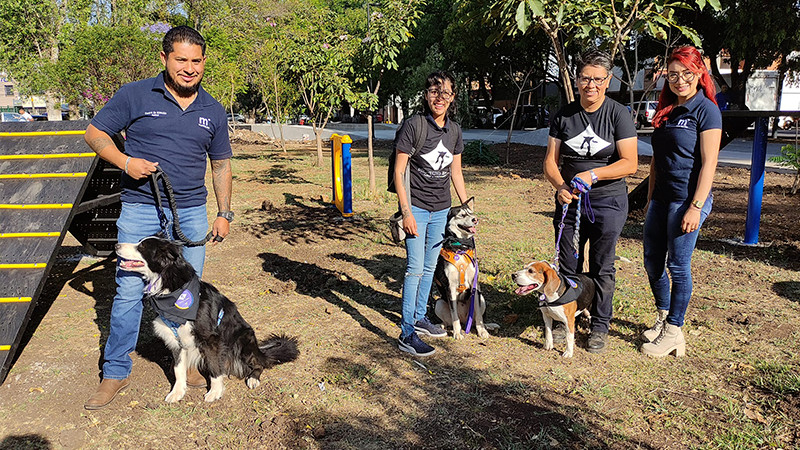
(293, 265)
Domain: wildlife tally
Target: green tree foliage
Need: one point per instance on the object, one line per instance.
(608, 23)
(97, 60)
(754, 34)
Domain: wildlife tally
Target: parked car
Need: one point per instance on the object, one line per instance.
(644, 113)
(528, 117)
(786, 122)
(11, 117)
(236, 118)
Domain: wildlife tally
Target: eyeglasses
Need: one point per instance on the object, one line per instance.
(687, 75)
(446, 95)
(584, 81)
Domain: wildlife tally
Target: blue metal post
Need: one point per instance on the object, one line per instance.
(759, 158)
(347, 178)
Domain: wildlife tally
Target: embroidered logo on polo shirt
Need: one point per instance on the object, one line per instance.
(587, 143)
(438, 158)
(205, 123)
(155, 113)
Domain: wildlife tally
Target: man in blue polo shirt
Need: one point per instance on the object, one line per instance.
(172, 123)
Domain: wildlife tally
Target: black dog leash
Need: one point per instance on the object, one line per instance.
(173, 206)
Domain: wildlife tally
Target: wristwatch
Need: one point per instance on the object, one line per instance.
(594, 177)
(698, 204)
(227, 215)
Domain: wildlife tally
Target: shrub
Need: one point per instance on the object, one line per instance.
(478, 153)
(790, 157)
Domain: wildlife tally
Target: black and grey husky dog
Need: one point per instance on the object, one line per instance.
(455, 274)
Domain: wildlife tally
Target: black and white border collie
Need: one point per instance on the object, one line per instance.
(218, 341)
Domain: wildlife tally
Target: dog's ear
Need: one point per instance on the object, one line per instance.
(470, 203)
(551, 279)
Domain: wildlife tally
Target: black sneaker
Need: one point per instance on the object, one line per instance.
(414, 345)
(597, 342)
(426, 328)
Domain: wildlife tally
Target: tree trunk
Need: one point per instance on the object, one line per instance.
(318, 135)
(278, 112)
(372, 188)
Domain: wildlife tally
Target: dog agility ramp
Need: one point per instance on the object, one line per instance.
(46, 171)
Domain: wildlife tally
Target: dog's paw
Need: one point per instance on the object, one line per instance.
(548, 345)
(213, 395)
(458, 335)
(567, 354)
(175, 395)
(253, 383)
(482, 333)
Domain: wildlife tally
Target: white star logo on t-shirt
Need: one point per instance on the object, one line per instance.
(587, 143)
(438, 158)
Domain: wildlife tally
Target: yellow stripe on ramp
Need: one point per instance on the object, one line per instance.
(23, 266)
(17, 176)
(36, 206)
(34, 234)
(41, 133)
(50, 156)
(15, 299)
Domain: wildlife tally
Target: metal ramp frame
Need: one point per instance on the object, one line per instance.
(51, 182)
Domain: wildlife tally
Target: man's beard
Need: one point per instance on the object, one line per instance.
(182, 91)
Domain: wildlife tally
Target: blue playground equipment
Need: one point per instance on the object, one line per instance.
(342, 180)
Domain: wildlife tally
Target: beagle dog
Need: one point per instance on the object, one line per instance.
(561, 298)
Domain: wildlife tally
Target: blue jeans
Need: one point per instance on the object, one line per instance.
(422, 254)
(136, 222)
(666, 246)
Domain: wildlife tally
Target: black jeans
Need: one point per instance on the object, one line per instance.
(610, 214)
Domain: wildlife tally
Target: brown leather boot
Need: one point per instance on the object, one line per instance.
(194, 378)
(106, 392)
(652, 333)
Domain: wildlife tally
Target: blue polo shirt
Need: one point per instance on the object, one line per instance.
(158, 130)
(676, 148)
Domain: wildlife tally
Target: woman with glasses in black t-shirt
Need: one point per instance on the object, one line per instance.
(594, 139)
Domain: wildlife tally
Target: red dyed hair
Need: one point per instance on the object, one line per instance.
(693, 60)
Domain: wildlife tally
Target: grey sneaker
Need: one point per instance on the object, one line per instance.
(414, 345)
(426, 328)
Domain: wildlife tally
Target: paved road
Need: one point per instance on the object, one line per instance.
(737, 153)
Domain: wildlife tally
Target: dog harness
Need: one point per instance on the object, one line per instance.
(461, 259)
(570, 289)
(461, 254)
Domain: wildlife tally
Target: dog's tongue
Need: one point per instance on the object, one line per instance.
(473, 230)
(522, 290)
(129, 263)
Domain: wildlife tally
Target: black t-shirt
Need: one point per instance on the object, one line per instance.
(589, 140)
(430, 165)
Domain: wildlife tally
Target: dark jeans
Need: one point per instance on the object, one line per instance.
(610, 214)
(666, 246)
